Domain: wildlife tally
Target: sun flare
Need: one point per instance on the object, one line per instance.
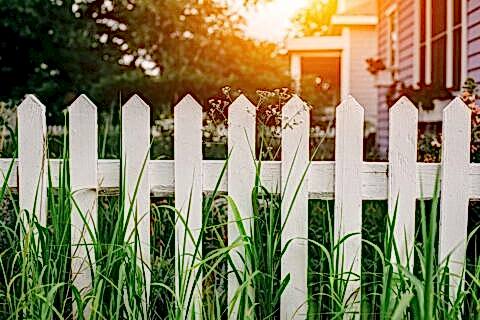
(271, 21)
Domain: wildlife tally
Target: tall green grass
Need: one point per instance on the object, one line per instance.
(35, 264)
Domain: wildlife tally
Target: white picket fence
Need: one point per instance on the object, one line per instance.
(348, 180)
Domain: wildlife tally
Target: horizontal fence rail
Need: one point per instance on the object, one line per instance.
(348, 181)
(320, 185)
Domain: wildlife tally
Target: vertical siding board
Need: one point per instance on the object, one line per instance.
(406, 45)
(135, 163)
(295, 161)
(348, 185)
(241, 179)
(32, 157)
(188, 199)
(472, 35)
(363, 45)
(454, 190)
(406, 10)
(83, 181)
(402, 172)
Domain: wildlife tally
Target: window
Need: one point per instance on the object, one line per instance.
(392, 38)
(440, 37)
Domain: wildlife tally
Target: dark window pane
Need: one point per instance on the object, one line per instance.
(422, 20)
(422, 64)
(457, 58)
(439, 16)
(457, 12)
(439, 62)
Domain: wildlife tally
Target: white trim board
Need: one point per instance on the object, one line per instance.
(315, 43)
(362, 20)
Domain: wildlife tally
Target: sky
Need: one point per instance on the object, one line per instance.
(271, 21)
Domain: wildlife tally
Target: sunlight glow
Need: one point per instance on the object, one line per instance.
(271, 21)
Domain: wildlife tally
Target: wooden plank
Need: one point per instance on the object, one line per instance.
(295, 161)
(454, 190)
(241, 180)
(321, 177)
(348, 197)
(135, 163)
(32, 159)
(402, 173)
(83, 161)
(188, 202)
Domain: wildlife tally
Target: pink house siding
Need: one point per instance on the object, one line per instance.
(406, 20)
(406, 16)
(473, 39)
(405, 10)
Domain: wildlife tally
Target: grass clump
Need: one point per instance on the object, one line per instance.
(35, 277)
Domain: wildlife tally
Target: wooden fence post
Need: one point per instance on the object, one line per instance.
(295, 162)
(402, 176)
(455, 190)
(83, 145)
(348, 196)
(241, 180)
(188, 202)
(32, 158)
(135, 170)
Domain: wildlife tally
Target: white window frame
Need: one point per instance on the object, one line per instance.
(449, 40)
(392, 13)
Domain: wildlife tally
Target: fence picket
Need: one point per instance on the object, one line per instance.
(402, 175)
(83, 181)
(348, 198)
(295, 162)
(32, 158)
(348, 179)
(454, 189)
(241, 178)
(188, 201)
(135, 167)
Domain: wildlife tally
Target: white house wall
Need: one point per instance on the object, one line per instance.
(363, 45)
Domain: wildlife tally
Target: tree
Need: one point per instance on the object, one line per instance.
(49, 48)
(198, 47)
(162, 49)
(314, 19)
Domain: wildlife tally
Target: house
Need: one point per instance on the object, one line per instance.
(426, 43)
(339, 57)
(428, 46)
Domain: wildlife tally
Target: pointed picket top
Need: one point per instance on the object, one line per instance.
(295, 100)
(189, 103)
(82, 103)
(350, 105)
(135, 102)
(31, 104)
(295, 104)
(242, 105)
(404, 104)
(457, 107)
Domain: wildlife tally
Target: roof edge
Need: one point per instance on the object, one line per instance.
(315, 43)
(362, 20)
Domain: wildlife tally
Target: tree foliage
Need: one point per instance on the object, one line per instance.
(314, 19)
(107, 49)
